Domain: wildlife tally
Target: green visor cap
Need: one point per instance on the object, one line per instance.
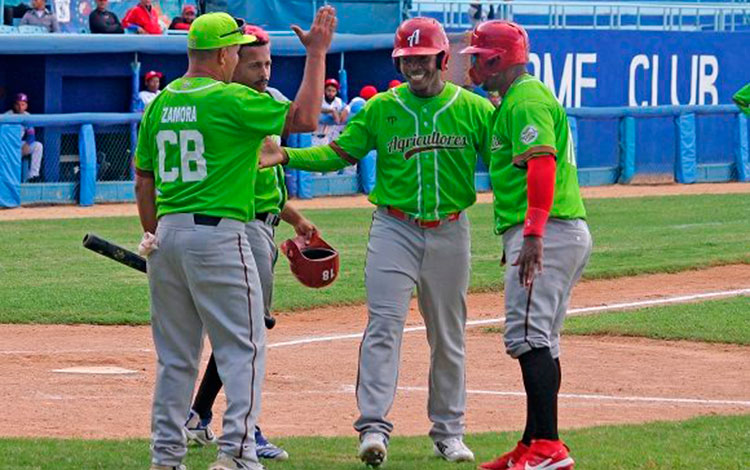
(217, 30)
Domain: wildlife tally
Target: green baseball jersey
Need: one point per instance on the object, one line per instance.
(530, 122)
(270, 188)
(426, 148)
(200, 138)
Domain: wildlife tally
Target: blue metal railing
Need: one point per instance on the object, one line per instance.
(687, 167)
(667, 16)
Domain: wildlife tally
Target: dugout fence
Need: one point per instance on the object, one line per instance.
(88, 157)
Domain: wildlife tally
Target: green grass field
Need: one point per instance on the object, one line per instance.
(716, 321)
(49, 278)
(707, 443)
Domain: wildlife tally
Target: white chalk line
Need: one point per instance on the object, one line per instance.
(575, 311)
(349, 390)
(588, 396)
(469, 324)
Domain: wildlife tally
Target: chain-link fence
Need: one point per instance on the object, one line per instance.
(53, 155)
(115, 145)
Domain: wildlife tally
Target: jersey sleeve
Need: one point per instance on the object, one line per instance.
(358, 137)
(146, 147)
(259, 113)
(532, 131)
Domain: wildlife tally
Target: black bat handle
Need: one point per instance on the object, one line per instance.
(128, 258)
(117, 253)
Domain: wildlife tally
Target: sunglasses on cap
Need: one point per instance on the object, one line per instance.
(239, 30)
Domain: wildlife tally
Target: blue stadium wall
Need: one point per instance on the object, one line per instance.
(84, 73)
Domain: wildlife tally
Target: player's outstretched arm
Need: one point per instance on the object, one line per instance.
(322, 158)
(305, 110)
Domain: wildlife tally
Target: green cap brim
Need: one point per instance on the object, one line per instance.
(216, 30)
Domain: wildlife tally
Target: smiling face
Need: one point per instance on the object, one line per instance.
(421, 72)
(254, 67)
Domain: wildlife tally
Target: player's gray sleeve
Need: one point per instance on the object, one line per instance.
(277, 95)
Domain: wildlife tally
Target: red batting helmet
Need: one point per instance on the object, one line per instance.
(315, 264)
(332, 82)
(421, 36)
(260, 34)
(495, 46)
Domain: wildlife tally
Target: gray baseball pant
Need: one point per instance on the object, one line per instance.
(400, 257)
(261, 238)
(205, 277)
(534, 319)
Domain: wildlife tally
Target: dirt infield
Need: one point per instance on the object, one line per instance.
(114, 210)
(309, 387)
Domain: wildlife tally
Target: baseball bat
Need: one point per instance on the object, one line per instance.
(133, 260)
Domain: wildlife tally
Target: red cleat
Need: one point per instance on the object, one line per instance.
(545, 455)
(507, 460)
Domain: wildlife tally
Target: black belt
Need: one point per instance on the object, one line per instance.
(268, 218)
(201, 219)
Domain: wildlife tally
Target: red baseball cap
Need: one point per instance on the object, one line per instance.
(368, 92)
(394, 84)
(332, 82)
(153, 73)
(260, 34)
(189, 8)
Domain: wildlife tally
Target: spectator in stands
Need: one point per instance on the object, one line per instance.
(39, 15)
(183, 22)
(142, 19)
(103, 21)
(394, 84)
(153, 81)
(332, 114)
(476, 15)
(29, 147)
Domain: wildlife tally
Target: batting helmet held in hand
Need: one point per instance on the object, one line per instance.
(495, 46)
(421, 36)
(314, 264)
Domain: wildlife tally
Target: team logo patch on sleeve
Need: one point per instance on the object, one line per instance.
(529, 134)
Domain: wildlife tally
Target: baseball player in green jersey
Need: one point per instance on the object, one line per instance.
(540, 215)
(253, 70)
(427, 134)
(196, 163)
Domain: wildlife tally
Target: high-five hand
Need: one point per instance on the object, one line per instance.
(318, 39)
